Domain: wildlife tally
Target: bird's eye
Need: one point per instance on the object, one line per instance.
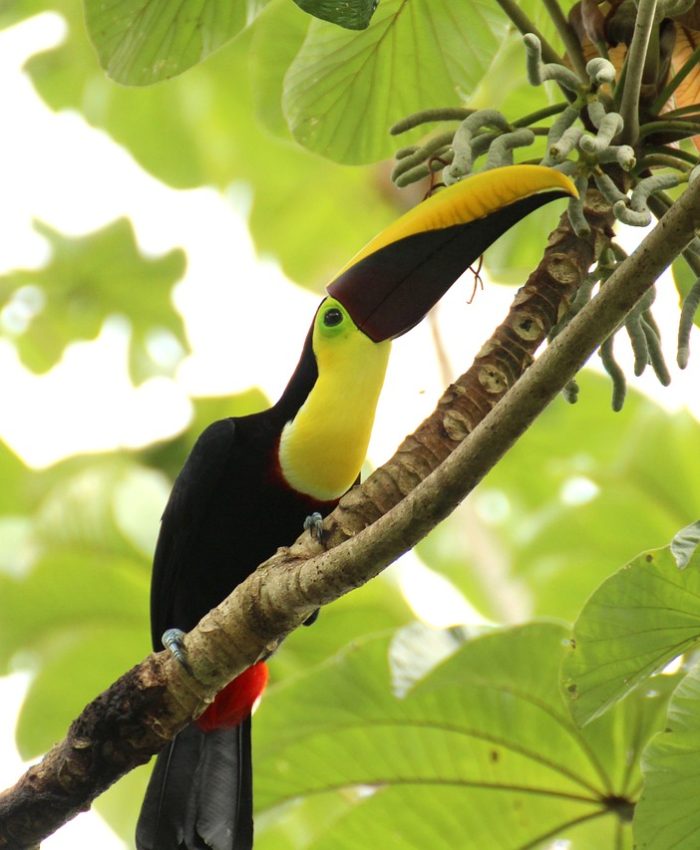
(332, 317)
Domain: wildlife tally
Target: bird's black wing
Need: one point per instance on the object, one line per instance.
(182, 550)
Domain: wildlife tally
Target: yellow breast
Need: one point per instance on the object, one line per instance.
(323, 448)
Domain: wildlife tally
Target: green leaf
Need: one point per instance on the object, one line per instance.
(12, 13)
(84, 560)
(118, 805)
(88, 279)
(667, 814)
(297, 825)
(66, 593)
(637, 621)
(481, 753)
(344, 90)
(90, 659)
(355, 15)
(276, 37)
(13, 474)
(140, 43)
(93, 508)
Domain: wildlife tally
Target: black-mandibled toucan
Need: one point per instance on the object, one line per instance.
(250, 482)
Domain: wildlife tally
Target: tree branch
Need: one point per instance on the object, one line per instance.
(146, 707)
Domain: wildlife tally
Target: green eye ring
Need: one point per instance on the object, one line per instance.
(332, 319)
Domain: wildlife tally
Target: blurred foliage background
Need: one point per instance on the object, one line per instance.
(376, 731)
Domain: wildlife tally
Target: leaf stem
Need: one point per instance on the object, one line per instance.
(661, 160)
(568, 36)
(677, 153)
(683, 112)
(525, 25)
(547, 112)
(689, 128)
(425, 116)
(636, 58)
(559, 828)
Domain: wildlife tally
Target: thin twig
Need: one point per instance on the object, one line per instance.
(446, 373)
(426, 116)
(546, 112)
(668, 150)
(568, 36)
(682, 129)
(525, 25)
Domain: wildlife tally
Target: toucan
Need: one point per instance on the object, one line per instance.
(251, 482)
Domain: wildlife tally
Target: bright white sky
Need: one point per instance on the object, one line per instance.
(57, 169)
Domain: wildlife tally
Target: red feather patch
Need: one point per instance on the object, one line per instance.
(235, 702)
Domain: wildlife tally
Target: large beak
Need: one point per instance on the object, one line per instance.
(390, 285)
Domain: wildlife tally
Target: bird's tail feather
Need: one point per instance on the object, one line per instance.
(200, 793)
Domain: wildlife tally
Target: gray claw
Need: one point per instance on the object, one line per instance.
(314, 525)
(174, 641)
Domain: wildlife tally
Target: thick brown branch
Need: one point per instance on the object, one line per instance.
(150, 703)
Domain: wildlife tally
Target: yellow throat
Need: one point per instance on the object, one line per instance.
(323, 448)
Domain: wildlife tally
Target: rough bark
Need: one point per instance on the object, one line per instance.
(147, 706)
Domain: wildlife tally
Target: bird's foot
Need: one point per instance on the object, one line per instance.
(314, 525)
(174, 641)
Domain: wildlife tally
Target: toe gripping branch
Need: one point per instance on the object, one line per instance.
(314, 525)
(174, 641)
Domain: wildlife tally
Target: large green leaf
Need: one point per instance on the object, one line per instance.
(140, 43)
(64, 594)
(344, 90)
(14, 498)
(87, 279)
(634, 623)
(109, 505)
(276, 37)
(581, 493)
(667, 814)
(481, 753)
(119, 804)
(78, 609)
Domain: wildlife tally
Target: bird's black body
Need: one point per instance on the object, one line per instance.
(229, 510)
